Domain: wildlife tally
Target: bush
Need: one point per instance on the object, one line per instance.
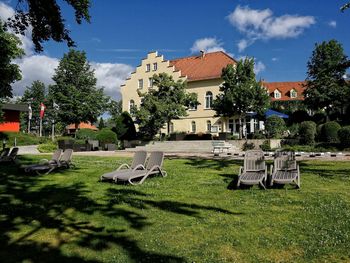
(86, 134)
(319, 117)
(344, 136)
(329, 132)
(275, 126)
(319, 133)
(265, 146)
(248, 146)
(47, 147)
(258, 135)
(125, 127)
(106, 136)
(22, 138)
(299, 116)
(307, 133)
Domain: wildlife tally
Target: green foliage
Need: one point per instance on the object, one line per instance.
(106, 136)
(9, 72)
(288, 106)
(248, 146)
(265, 146)
(86, 134)
(101, 124)
(240, 92)
(329, 132)
(275, 126)
(125, 127)
(47, 147)
(299, 116)
(115, 108)
(344, 136)
(44, 18)
(326, 87)
(22, 138)
(162, 104)
(75, 91)
(307, 133)
(319, 117)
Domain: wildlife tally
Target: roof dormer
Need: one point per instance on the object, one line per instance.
(293, 93)
(277, 94)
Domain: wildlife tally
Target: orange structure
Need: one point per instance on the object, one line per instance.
(11, 114)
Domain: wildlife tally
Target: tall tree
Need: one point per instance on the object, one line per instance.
(9, 72)
(75, 91)
(101, 124)
(240, 92)
(345, 6)
(326, 87)
(34, 95)
(168, 100)
(115, 109)
(45, 19)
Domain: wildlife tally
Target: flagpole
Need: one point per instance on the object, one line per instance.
(29, 116)
(40, 128)
(53, 130)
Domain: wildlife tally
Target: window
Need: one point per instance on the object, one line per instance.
(171, 127)
(293, 93)
(277, 94)
(140, 83)
(131, 106)
(192, 107)
(155, 66)
(150, 82)
(193, 127)
(148, 67)
(208, 126)
(208, 100)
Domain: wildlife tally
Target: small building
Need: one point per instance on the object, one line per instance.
(71, 129)
(11, 115)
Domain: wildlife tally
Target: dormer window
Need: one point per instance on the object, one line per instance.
(148, 67)
(293, 93)
(276, 94)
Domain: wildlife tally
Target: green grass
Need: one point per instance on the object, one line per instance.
(189, 216)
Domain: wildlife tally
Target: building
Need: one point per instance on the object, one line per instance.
(11, 115)
(71, 128)
(203, 75)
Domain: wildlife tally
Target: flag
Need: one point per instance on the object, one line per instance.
(42, 110)
(30, 112)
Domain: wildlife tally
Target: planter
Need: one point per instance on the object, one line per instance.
(110, 147)
(65, 144)
(224, 136)
(94, 145)
(77, 147)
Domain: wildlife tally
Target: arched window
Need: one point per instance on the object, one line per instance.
(131, 106)
(193, 127)
(208, 126)
(208, 100)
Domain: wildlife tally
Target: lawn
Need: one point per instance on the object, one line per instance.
(189, 216)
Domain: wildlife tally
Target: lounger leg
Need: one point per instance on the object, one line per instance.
(262, 185)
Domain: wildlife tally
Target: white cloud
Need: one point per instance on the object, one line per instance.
(259, 67)
(207, 44)
(332, 23)
(274, 59)
(261, 24)
(6, 11)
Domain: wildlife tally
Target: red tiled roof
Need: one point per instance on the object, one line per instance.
(285, 88)
(200, 68)
(82, 125)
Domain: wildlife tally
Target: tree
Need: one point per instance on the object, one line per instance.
(101, 124)
(45, 19)
(9, 72)
(34, 95)
(345, 6)
(115, 108)
(75, 91)
(162, 104)
(325, 85)
(275, 126)
(124, 127)
(240, 92)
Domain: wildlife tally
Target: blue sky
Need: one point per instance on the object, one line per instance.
(280, 35)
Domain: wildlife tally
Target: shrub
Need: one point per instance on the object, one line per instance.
(47, 147)
(307, 132)
(319, 117)
(258, 135)
(275, 126)
(319, 133)
(125, 127)
(86, 134)
(299, 116)
(265, 146)
(344, 136)
(248, 146)
(329, 131)
(234, 137)
(22, 138)
(106, 136)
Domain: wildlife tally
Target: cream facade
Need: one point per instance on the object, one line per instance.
(199, 120)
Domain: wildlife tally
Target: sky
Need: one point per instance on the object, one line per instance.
(279, 35)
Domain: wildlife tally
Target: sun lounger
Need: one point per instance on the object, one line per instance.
(64, 162)
(54, 161)
(138, 162)
(4, 152)
(154, 166)
(254, 171)
(285, 170)
(10, 157)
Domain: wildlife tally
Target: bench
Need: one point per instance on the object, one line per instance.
(220, 147)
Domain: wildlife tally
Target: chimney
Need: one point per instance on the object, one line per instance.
(202, 53)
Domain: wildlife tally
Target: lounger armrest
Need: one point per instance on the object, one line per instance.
(123, 166)
(157, 167)
(139, 167)
(43, 161)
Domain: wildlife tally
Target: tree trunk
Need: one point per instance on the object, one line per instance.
(76, 129)
(240, 128)
(168, 127)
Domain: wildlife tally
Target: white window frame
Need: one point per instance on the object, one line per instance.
(193, 127)
(150, 82)
(293, 94)
(140, 84)
(148, 67)
(155, 66)
(214, 128)
(277, 94)
(208, 100)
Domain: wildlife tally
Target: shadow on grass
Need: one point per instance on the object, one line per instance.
(36, 219)
(217, 164)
